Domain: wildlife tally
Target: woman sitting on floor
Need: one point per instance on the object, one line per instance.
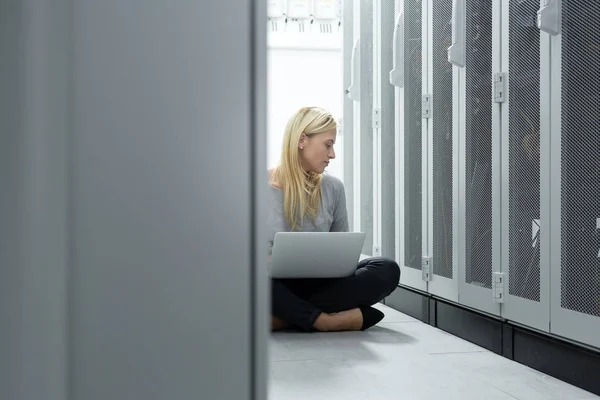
(304, 198)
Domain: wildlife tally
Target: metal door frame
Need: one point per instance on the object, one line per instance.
(347, 129)
(440, 285)
(376, 128)
(383, 134)
(524, 311)
(570, 324)
(426, 227)
(409, 276)
(356, 119)
(471, 295)
(365, 137)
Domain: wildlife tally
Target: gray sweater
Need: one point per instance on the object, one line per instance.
(332, 217)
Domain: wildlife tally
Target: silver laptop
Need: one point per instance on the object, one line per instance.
(315, 254)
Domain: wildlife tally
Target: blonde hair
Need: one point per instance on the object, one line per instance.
(301, 189)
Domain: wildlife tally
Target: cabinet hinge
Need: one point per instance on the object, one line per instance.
(376, 118)
(426, 106)
(426, 268)
(340, 127)
(498, 286)
(499, 87)
(376, 251)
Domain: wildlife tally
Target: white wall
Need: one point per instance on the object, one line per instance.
(303, 77)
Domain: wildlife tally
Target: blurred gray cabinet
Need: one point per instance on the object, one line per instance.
(132, 165)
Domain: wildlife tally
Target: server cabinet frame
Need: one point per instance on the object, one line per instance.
(442, 223)
(525, 244)
(405, 60)
(478, 293)
(566, 320)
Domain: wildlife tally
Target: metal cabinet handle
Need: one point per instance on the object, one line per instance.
(456, 52)
(397, 72)
(354, 90)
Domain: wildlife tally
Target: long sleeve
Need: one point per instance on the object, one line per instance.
(340, 215)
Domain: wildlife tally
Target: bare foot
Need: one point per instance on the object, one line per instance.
(350, 320)
(277, 324)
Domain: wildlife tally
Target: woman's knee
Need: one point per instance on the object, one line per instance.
(390, 274)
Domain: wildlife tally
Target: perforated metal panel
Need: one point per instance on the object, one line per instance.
(478, 151)
(388, 140)
(366, 124)
(348, 111)
(412, 133)
(442, 108)
(524, 150)
(580, 159)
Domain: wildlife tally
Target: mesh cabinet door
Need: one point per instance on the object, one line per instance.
(385, 161)
(527, 286)
(479, 157)
(408, 79)
(575, 171)
(348, 133)
(365, 133)
(442, 146)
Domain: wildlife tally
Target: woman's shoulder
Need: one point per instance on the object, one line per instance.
(332, 182)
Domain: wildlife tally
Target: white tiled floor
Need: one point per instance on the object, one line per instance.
(401, 358)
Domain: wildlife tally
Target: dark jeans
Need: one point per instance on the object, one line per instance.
(300, 301)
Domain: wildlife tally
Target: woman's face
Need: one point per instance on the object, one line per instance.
(317, 151)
